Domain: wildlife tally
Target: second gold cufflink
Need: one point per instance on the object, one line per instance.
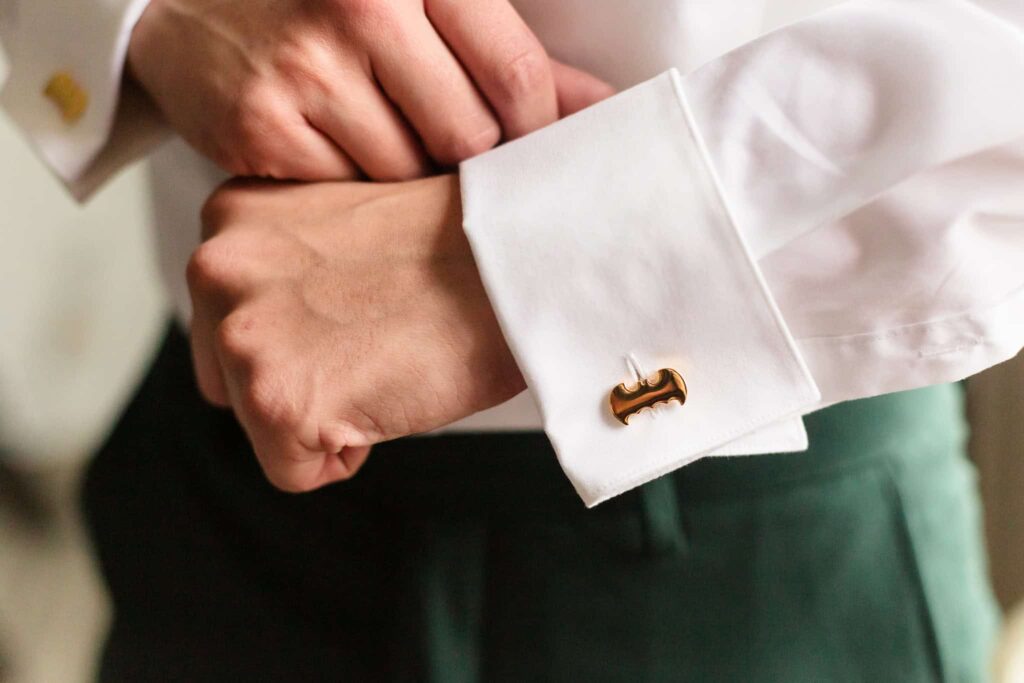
(71, 98)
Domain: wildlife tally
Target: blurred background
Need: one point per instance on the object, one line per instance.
(80, 314)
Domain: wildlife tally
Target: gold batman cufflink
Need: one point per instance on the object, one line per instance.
(71, 98)
(667, 385)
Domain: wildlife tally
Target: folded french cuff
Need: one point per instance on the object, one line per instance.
(83, 52)
(606, 247)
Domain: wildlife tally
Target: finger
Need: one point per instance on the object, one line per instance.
(271, 423)
(279, 142)
(205, 273)
(299, 472)
(204, 358)
(313, 156)
(352, 460)
(278, 410)
(366, 125)
(288, 465)
(342, 465)
(291, 464)
(577, 89)
(503, 57)
(419, 74)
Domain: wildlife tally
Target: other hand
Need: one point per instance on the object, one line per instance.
(332, 89)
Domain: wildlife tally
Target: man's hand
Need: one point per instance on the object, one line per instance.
(326, 89)
(335, 316)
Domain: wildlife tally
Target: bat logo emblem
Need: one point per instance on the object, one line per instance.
(667, 385)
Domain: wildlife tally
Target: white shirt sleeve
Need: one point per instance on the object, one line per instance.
(87, 42)
(836, 196)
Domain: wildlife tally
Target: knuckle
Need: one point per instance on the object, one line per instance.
(210, 267)
(265, 400)
(235, 338)
(221, 208)
(524, 75)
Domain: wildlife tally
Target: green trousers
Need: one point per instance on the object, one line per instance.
(470, 559)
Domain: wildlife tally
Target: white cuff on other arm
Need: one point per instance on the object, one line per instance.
(87, 42)
(605, 236)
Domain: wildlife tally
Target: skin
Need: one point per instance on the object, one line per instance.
(341, 89)
(335, 316)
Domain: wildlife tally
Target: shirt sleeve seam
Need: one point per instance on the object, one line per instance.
(913, 328)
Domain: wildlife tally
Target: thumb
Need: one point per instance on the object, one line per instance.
(577, 89)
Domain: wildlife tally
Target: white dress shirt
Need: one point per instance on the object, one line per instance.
(828, 211)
